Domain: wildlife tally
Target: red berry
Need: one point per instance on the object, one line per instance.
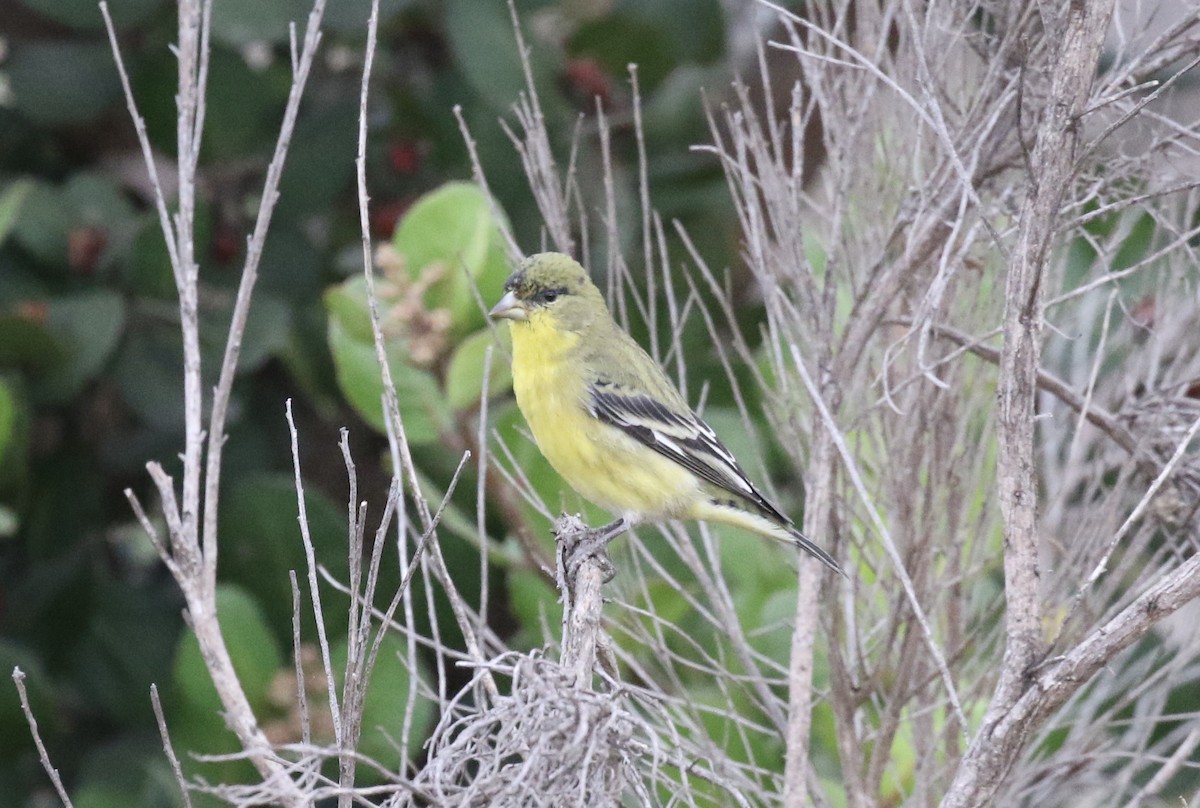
(405, 156)
(225, 244)
(84, 246)
(385, 215)
(588, 79)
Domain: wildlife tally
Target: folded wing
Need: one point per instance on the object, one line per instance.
(680, 436)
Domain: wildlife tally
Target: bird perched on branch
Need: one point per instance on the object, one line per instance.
(608, 419)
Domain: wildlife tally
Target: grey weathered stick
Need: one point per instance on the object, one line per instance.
(1094, 413)
(1169, 769)
(241, 307)
(580, 582)
(298, 659)
(18, 677)
(398, 437)
(919, 612)
(191, 558)
(1003, 737)
(817, 516)
(1000, 738)
(169, 748)
(313, 590)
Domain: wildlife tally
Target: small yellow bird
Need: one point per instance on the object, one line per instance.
(608, 419)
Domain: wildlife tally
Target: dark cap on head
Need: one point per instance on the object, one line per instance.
(544, 271)
(550, 280)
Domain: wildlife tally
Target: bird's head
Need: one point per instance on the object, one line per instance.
(551, 286)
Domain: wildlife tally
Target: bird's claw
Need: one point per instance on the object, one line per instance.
(592, 546)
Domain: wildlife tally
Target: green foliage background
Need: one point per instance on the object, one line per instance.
(90, 377)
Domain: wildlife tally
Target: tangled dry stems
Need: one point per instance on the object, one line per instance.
(545, 743)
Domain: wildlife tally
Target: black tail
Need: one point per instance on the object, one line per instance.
(807, 545)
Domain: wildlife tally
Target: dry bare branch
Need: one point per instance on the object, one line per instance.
(191, 553)
(18, 677)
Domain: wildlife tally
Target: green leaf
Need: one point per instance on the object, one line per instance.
(252, 649)
(485, 50)
(674, 112)
(43, 226)
(266, 334)
(774, 605)
(320, 163)
(464, 376)
(85, 14)
(88, 326)
(898, 775)
(617, 40)
(14, 438)
(451, 232)
(64, 506)
(95, 199)
(26, 342)
(701, 40)
(103, 796)
(244, 104)
(113, 674)
(261, 542)
(238, 23)
(50, 215)
(421, 404)
(1136, 245)
(534, 602)
(350, 16)
(452, 223)
(649, 35)
(149, 373)
(62, 81)
(149, 270)
(291, 268)
(201, 730)
(347, 305)
(10, 205)
(309, 362)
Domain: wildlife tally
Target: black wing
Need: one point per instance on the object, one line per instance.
(679, 436)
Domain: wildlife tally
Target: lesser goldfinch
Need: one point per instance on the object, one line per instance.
(608, 419)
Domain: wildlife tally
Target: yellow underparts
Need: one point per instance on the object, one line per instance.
(599, 461)
(708, 510)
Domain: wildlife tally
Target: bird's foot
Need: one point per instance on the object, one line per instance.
(589, 550)
(593, 546)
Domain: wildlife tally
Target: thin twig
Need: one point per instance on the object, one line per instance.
(249, 277)
(139, 125)
(169, 748)
(1164, 475)
(314, 591)
(1168, 770)
(298, 659)
(1072, 70)
(914, 602)
(1095, 414)
(18, 677)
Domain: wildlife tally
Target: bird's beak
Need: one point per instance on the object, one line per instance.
(509, 308)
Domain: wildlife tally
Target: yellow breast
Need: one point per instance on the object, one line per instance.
(603, 464)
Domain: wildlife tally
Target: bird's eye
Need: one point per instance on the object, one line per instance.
(549, 296)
